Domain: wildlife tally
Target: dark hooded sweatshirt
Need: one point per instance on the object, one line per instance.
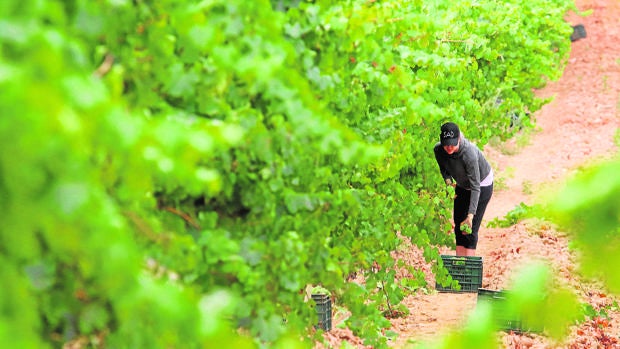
(467, 167)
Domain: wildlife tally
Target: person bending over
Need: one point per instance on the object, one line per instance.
(463, 166)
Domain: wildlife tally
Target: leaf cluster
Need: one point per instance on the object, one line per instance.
(174, 169)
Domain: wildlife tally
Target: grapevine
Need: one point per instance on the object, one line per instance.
(173, 171)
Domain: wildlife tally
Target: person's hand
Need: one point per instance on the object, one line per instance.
(450, 183)
(467, 224)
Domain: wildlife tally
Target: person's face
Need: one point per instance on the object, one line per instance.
(451, 149)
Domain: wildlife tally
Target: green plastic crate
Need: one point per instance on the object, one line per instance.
(467, 271)
(501, 314)
(504, 321)
(323, 311)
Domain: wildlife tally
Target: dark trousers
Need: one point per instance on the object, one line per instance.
(461, 206)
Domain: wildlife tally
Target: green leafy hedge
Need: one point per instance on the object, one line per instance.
(156, 155)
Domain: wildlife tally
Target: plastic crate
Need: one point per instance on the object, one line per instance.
(501, 314)
(503, 320)
(579, 32)
(323, 311)
(466, 270)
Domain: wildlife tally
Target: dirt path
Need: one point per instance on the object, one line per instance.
(581, 121)
(578, 126)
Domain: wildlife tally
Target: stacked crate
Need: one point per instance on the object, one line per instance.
(323, 311)
(465, 270)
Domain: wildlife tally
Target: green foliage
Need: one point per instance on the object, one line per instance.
(587, 208)
(541, 302)
(514, 216)
(163, 158)
(591, 312)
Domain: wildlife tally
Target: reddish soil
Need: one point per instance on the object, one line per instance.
(577, 127)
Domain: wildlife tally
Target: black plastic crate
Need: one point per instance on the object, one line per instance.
(466, 270)
(579, 32)
(323, 311)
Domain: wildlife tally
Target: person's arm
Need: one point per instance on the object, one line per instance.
(473, 175)
(441, 163)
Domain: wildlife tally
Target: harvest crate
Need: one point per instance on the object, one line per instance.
(503, 320)
(467, 271)
(323, 311)
(579, 32)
